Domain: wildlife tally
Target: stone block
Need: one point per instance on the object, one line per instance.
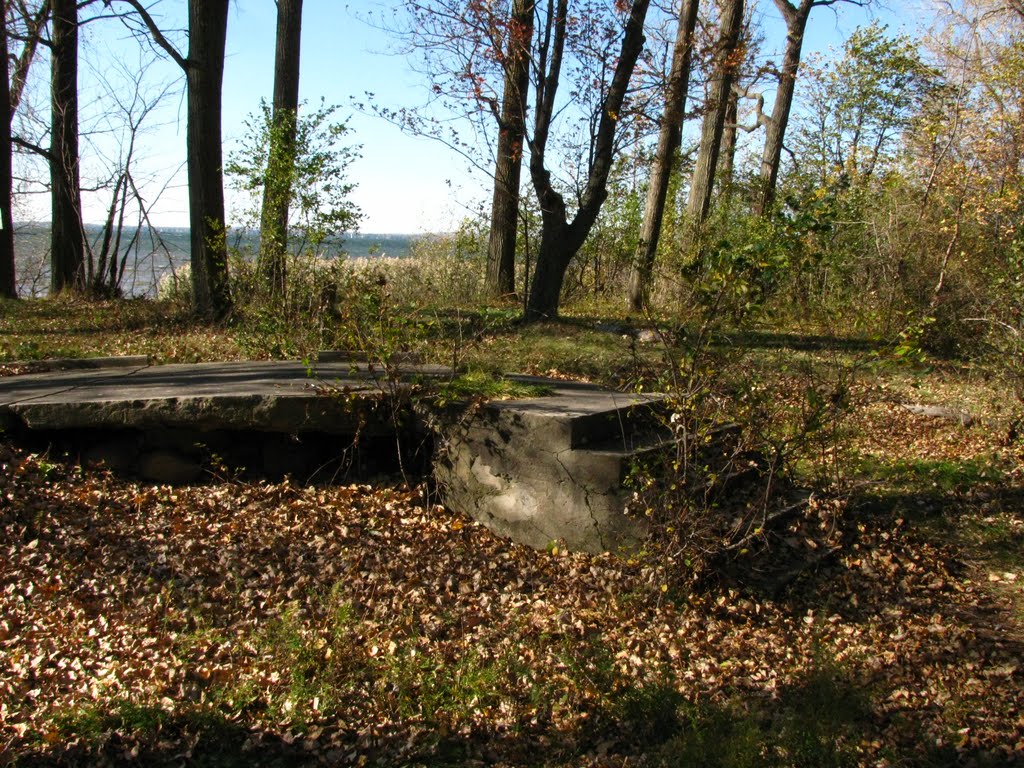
(513, 466)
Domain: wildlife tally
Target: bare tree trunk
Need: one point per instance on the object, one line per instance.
(669, 138)
(719, 88)
(560, 238)
(277, 187)
(728, 150)
(204, 70)
(501, 246)
(204, 77)
(796, 23)
(67, 240)
(8, 284)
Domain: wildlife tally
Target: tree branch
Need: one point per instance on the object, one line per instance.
(34, 25)
(760, 118)
(154, 31)
(29, 146)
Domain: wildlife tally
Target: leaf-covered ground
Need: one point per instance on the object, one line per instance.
(259, 624)
(269, 624)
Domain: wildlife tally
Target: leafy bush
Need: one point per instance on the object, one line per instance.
(743, 447)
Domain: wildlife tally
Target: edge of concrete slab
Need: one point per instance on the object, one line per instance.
(81, 363)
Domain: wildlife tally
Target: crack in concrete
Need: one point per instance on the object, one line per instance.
(586, 494)
(71, 388)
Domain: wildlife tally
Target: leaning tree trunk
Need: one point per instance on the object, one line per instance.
(560, 238)
(33, 34)
(669, 138)
(207, 23)
(796, 23)
(719, 88)
(501, 246)
(8, 284)
(67, 240)
(277, 186)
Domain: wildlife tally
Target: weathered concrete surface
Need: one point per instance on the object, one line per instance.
(550, 469)
(537, 470)
(80, 363)
(269, 396)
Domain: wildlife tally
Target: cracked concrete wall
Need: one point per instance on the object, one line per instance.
(519, 476)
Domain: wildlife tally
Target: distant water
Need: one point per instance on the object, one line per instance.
(157, 252)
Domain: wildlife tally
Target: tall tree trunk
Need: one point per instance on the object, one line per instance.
(204, 74)
(277, 187)
(719, 88)
(560, 238)
(204, 77)
(67, 240)
(728, 151)
(796, 23)
(8, 284)
(669, 138)
(501, 246)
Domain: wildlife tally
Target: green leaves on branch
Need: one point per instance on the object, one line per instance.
(861, 105)
(314, 174)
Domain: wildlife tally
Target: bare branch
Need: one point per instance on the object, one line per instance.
(29, 146)
(760, 118)
(155, 32)
(34, 25)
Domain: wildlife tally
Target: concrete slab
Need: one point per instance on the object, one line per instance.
(81, 363)
(273, 396)
(538, 469)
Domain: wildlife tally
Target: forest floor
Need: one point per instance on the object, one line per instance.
(250, 623)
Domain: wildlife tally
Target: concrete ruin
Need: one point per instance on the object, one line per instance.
(539, 470)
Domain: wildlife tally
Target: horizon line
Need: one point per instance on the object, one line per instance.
(47, 223)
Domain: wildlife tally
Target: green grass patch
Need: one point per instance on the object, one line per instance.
(445, 694)
(814, 723)
(321, 662)
(996, 539)
(145, 733)
(489, 386)
(127, 717)
(931, 475)
(581, 348)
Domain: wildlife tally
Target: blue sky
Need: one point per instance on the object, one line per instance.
(405, 184)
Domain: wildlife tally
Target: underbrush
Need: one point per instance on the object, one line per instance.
(832, 579)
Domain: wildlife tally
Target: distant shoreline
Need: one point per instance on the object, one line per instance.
(162, 250)
(96, 226)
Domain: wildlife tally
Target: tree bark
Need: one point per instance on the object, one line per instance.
(204, 77)
(277, 187)
(204, 74)
(67, 240)
(501, 246)
(719, 88)
(730, 131)
(8, 283)
(775, 132)
(560, 238)
(669, 138)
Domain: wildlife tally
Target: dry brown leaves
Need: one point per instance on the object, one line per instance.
(350, 623)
